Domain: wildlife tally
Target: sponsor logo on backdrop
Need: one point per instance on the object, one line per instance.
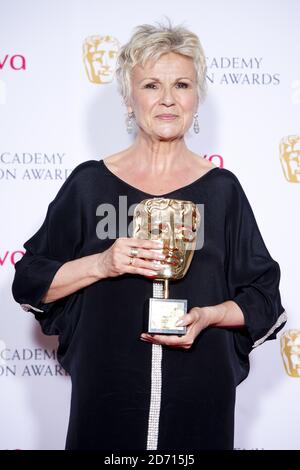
(99, 58)
(12, 62)
(290, 352)
(33, 166)
(10, 257)
(289, 148)
(100, 53)
(240, 71)
(29, 362)
(215, 158)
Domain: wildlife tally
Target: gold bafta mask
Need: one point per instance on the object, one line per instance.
(176, 223)
(290, 157)
(99, 57)
(290, 351)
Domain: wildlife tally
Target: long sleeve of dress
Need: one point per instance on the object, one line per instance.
(57, 241)
(253, 276)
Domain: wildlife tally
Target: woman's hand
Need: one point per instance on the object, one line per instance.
(196, 320)
(115, 261)
(228, 314)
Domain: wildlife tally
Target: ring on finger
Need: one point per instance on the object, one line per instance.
(131, 258)
(133, 252)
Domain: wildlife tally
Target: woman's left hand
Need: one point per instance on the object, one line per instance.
(196, 320)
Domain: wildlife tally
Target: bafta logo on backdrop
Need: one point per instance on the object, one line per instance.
(290, 157)
(290, 352)
(99, 58)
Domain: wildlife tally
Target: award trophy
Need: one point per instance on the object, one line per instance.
(175, 222)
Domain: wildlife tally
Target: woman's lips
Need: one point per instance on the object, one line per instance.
(167, 117)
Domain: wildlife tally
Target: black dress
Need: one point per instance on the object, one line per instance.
(99, 326)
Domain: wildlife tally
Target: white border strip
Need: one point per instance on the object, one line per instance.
(155, 401)
(156, 381)
(281, 319)
(28, 307)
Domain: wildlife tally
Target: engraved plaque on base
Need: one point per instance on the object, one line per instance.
(163, 315)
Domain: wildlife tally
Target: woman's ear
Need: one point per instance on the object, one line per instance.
(129, 107)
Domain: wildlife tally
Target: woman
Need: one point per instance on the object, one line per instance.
(90, 290)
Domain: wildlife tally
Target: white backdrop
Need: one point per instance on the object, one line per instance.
(52, 118)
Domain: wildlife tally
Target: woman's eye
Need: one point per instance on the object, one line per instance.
(150, 85)
(182, 85)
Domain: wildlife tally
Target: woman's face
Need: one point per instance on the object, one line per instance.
(164, 96)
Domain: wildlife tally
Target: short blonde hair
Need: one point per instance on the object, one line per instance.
(151, 42)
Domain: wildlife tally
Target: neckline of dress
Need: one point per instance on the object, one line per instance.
(109, 172)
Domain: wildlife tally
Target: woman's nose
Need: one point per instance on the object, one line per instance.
(167, 97)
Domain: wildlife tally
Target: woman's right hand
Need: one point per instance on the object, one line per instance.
(115, 261)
